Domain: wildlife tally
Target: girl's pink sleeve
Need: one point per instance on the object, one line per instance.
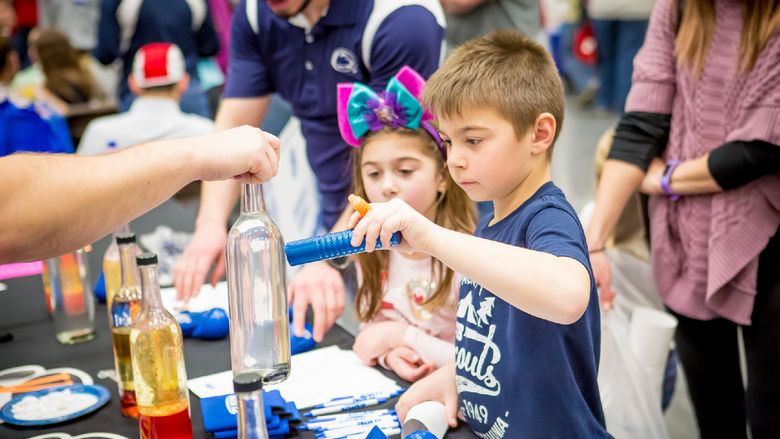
(431, 349)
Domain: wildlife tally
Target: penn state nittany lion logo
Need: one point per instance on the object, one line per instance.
(344, 61)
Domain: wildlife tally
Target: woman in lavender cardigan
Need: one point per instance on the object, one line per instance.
(701, 135)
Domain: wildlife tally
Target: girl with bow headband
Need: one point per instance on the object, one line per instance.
(405, 301)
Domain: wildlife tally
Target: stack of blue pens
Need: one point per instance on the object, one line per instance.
(344, 403)
(353, 425)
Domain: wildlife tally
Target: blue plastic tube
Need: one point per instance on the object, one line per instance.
(332, 245)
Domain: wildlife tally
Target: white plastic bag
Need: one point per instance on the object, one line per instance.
(630, 391)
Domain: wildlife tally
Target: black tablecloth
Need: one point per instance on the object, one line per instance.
(23, 313)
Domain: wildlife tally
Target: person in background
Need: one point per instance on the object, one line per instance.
(528, 315)
(302, 49)
(701, 136)
(65, 77)
(620, 27)
(26, 126)
(406, 301)
(126, 26)
(159, 79)
(77, 201)
(467, 19)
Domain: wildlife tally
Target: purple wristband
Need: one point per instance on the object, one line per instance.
(666, 178)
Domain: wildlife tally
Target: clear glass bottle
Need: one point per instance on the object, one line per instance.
(251, 413)
(66, 280)
(125, 306)
(112, 271)
(158, 363)
(257, 292)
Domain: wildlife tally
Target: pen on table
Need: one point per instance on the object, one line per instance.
(362, 435)
(348, 430)
(343, 408)
(363, 414)
(359, 204)
(318, 423)
(344, 400)
(320, 426)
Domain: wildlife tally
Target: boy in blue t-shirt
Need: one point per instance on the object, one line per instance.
(527, 335)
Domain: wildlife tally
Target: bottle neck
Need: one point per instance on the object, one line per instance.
(150, 288)
(127, 262)
(252, 198)
(251, 415)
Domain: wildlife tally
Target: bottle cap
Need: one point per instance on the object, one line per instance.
(146, 259)
(125, 238)
(247, 381)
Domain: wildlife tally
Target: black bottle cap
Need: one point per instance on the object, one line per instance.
(125, 238)
(247, 381)
(146, 259)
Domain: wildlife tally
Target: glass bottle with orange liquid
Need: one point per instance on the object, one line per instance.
(158, 363)
(125, 306)
(112, 270)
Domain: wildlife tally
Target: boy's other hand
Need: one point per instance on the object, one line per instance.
(384, 219)
(603, 277)
(407, 364)
(321, 286)
(438, 386)
(378, 339)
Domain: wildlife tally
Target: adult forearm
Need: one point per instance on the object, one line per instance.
(544, 285)
(693, 177)
(53, 204)
(619, 180)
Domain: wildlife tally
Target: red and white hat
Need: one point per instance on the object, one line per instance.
(158, 64)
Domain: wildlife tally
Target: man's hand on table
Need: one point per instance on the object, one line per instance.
(321, 286)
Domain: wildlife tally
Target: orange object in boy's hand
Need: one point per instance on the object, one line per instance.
(359, 204)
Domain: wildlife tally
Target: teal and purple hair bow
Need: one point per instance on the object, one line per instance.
(361, 110)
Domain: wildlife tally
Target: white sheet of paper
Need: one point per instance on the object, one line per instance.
(316, 376)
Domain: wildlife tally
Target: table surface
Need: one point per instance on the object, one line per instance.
(23, 313)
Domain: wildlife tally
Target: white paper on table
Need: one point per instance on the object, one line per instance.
(208, 297)
(316, 376)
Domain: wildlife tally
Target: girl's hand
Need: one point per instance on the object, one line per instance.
(384, 219)
(407, 364)
(438, 386)
(377, 339)
(651, 183)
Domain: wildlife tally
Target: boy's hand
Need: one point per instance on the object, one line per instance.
(377, 339)
(603, 277)
(438, 386)
(407, 364)
(384, 219)
(320, 285)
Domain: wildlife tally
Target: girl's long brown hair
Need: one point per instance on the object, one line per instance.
(65, 77)
(760, 19)
(454, 210)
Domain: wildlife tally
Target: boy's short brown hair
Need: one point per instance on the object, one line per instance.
(504, 70)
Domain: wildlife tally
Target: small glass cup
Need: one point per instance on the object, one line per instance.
(72, 304)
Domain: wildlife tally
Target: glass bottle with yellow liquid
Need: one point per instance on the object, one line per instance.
(125, 306)
(112, 270)
(158, 363)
